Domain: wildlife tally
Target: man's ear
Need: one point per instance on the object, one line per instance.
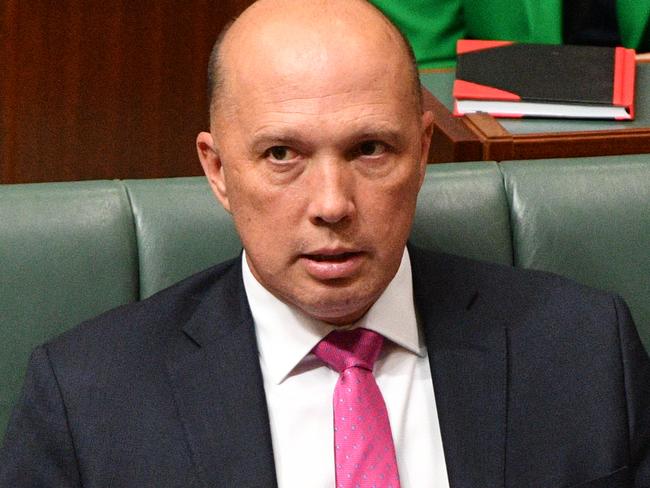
(213, 167)
(425, 141)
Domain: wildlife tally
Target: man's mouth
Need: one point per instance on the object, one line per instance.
(340, 257)
(333, 264)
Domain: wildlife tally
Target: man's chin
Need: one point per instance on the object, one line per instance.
(342, 311)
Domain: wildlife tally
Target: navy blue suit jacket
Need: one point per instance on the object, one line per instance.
(539, 382)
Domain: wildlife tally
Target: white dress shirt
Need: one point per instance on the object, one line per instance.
(299, 387)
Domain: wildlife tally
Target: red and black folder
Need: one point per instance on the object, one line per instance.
(508, 79)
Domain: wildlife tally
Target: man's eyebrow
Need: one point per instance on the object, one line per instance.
(387, 134)
(261, 140)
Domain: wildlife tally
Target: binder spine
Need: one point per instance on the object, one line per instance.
(624, 78)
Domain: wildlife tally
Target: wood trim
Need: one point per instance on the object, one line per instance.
(452, 140)
(499, 145)
(577, 144)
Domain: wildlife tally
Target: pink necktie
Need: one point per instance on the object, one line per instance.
(363, 444)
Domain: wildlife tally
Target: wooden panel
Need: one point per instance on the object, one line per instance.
(112, 89)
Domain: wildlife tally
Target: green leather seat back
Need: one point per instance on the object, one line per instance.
(181, 229)
(67, 253)
(589, 219)
(462, 209)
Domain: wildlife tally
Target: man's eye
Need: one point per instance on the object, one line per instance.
(372, 148)
(281, 153)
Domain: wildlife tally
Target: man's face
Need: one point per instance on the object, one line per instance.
(320, 168)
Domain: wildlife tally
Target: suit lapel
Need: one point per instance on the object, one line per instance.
(467, 348)
(218, 388)
(215, 375)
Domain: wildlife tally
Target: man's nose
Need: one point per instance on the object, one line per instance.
(331, 197)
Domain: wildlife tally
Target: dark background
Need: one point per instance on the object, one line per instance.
(95, 89)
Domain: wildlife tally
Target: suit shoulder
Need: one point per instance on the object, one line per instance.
(481, 272)
(540, 310)
(149, 321)
(502, 290)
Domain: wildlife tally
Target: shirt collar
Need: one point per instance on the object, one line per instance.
(285, 335)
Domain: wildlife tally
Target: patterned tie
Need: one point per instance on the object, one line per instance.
(364, 453)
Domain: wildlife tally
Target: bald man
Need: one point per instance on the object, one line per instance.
(486, 376)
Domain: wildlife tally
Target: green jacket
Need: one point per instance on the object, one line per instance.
(433, 26)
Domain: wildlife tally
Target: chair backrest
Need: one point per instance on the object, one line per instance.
(69, 251)
(588, 219)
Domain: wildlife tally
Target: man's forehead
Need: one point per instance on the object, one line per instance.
(318, 85)
(311, 53)
(284, 47)
(337, 120)
(313, 62)
(364, 100)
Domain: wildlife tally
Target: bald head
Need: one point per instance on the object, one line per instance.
(327, 37)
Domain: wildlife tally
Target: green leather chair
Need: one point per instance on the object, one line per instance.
(69, 251)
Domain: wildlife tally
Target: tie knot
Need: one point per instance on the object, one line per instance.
(343, 349)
